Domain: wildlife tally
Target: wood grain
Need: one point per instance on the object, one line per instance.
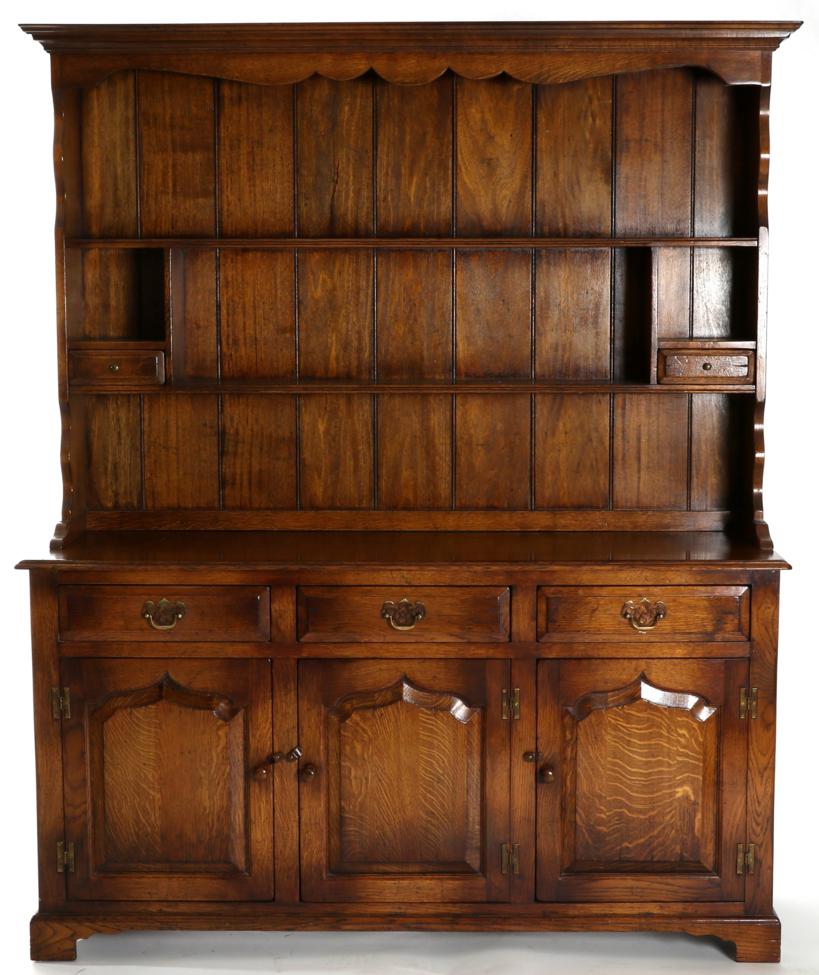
(109, 193)
(414, 452)
(653, 152)
(112, 451)
(571, 451)
(181, 451)
(650, 452)
(335, 144)
(492, 451)
(165, 769)
(258, 452)
(574, 148)
(335, 315)
(256, 179)
(336, 458)
(414, 316)
(493, 146)
(414, 158)
(573, 315)
(258, 327)
(493, 327)
(193, 314)
(177, 175)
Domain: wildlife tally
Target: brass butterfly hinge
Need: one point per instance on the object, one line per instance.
(65, 857)
(510, 858)
(748, 702)
(60, 703)
(510, 703)
(746, 858)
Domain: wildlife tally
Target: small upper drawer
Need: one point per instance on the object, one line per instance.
(180, 613)
(117, 367)
(706, 364)
(382, 614)
(652, 613)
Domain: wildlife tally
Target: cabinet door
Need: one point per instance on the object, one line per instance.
(158, 800)
(641, 790)
(409, 800)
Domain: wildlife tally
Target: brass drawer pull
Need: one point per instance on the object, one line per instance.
(403, 615)
(163, 615)
(643, 614)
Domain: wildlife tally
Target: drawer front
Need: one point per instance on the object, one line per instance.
(705, 367)
(165, 613)
(117, 368)
(651, 613)
(382, 614)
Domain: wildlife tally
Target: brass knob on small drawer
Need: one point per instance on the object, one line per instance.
(707, 366)
(163, 615)
(403, 615)
(113, 367)
(642, 613)
(309, 772)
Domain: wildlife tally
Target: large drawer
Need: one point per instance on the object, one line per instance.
(158, 613)
(650, 613)
(382, 614)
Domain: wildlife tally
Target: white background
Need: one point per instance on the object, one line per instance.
(31, 495)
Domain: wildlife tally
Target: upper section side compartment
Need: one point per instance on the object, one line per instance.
(413, 53)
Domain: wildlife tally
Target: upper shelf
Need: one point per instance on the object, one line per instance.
(414, 53)
(410, 243)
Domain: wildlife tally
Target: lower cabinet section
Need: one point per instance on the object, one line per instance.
(641, 786)
(409, 800)
(159, 802)
(406, 791)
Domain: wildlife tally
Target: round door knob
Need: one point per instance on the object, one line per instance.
(546, 774)
(309, 772)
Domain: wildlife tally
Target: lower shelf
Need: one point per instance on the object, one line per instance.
(54, 936)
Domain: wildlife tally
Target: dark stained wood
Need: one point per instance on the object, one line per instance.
(493, 317)
(180, 452)
(258, 452)
(343, 614)
(445, 335)
(573, 184)
(256, 184)
(113, 451)
(650, 452)
(493, 145)
(335, 315)
(572, 435)
(109, 190)
(257, 333)
(404, 752)
(414, 158)
(706, 613)
(492, 451)
(163, 820)
(657, 831)
(414, 316)
(653, 157)
(573, 315)
(176, 155)
(414, 452)
(101, 613)
(336, 452)
(193, 312)
(335, 144)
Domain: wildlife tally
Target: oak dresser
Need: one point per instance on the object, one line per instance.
(412, 570)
